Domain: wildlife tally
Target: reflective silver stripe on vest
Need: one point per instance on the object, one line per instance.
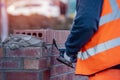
(99, 48)
(114, 5)
(112, 16)
(109, 17)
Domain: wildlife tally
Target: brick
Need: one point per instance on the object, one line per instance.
(69, 76)
(21, 76)
(59, 35)
(44, 63)
(1, 76)
(62, 36)
(79, 77)
(31, 64)
(40, 64)
(49, 36)
(25, 52)
(46, 35)
(46, 75)
(47, 52)
(60, 69)
(37, 33)
(1, 52)
(54, 51)
(54, 61)
(10, 63)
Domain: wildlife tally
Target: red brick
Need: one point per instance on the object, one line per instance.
(41, 64)
(9, 63)
(60, 69)
(59, 35)
(47, 35)
(39, 33)
(25, 52)
(79, 77)
(1, 76)
(21, 76)
(44, 63)
(69, 76)
(31, 64)
(46, 75)
(1, 52)
(54, 61)
(54, 50)
(44, 34)
(47, 52)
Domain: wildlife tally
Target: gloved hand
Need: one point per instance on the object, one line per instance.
(71, 58)
(65, 59)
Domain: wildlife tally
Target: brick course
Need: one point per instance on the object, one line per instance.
(10, 63)
(25, 52)
(21, 76)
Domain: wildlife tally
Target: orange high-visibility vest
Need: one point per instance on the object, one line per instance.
(103, 50)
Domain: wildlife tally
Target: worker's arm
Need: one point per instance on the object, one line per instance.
(85, 24)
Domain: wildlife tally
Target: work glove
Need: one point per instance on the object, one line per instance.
(66, 59)
(71, 58)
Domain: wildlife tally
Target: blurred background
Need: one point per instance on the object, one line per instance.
(38, 14)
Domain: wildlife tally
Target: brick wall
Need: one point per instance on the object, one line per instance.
(36, 63)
